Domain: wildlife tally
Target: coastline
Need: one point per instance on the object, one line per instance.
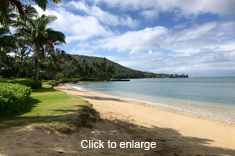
(210, 104)
(217, 136)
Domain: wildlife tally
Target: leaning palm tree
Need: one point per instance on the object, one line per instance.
(7, 5)
(36, 32)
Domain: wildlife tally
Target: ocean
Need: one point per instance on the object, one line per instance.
(210, 97)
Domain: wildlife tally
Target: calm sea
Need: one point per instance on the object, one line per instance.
(211, 97)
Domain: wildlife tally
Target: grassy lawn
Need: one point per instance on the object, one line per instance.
(47, 106)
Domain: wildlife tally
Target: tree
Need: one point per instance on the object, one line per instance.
(35, 31)
(7, 5)
(6, 41)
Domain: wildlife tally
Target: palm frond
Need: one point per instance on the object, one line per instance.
(44, 3)
(18, 24)
(30, 23)
(4, 30)
(44, 20)
(41, 3)
(30, 11)
(56, 36)
(7, 41)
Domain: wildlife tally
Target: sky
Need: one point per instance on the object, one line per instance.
(195, 37)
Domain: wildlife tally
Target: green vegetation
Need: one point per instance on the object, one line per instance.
(38, 35)
(52, 102)
(24, 81)
(35, 58)
(51, 108)
(31, 84)
(121, 72)
(6, 7)
(12, 98)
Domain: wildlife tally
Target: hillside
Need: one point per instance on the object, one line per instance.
(124, 72)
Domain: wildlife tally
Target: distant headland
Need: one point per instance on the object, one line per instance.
(121, 72)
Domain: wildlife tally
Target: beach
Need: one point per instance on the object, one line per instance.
(185, 132)
(175, 133)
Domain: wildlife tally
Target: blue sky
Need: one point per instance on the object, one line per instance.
(195, 37)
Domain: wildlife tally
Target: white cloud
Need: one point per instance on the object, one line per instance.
(211, 35)
(212, 63)
(128, 4)
(77, 51)
(186, 8)
(150, 14)
(198, 49)
(103, 16)
(180, 26)
(135, 41)
(76, 27)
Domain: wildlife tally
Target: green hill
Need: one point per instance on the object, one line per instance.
(121, 71)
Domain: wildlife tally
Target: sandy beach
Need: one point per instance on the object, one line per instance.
(175, 133)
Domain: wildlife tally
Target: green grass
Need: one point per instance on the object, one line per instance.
(47, 106)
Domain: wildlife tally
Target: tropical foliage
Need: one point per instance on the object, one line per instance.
(12, 98)
(27, 82)
(36, 33)
(8, 6)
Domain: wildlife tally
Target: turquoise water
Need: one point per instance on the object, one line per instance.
(211, 97)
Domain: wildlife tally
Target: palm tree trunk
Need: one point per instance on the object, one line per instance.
(36, 69)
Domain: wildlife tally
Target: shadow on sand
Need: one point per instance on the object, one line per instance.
(169, 141)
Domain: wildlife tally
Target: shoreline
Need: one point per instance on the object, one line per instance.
(215, 133)
(163, 107)
(211, 112)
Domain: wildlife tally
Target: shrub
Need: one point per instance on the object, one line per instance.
(12, 98)
(76, 79)
(63, 80)
(3, 80)
(24, 81)
(32, 84)
(83, 79)
(88, 79)
(53, 81)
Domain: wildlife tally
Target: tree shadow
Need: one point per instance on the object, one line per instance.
(30, 104)
(44, 89)
(169, 141)
(68, 116)
(27, 107)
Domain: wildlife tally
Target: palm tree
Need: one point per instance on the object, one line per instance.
(7, 5)
(35, 31)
